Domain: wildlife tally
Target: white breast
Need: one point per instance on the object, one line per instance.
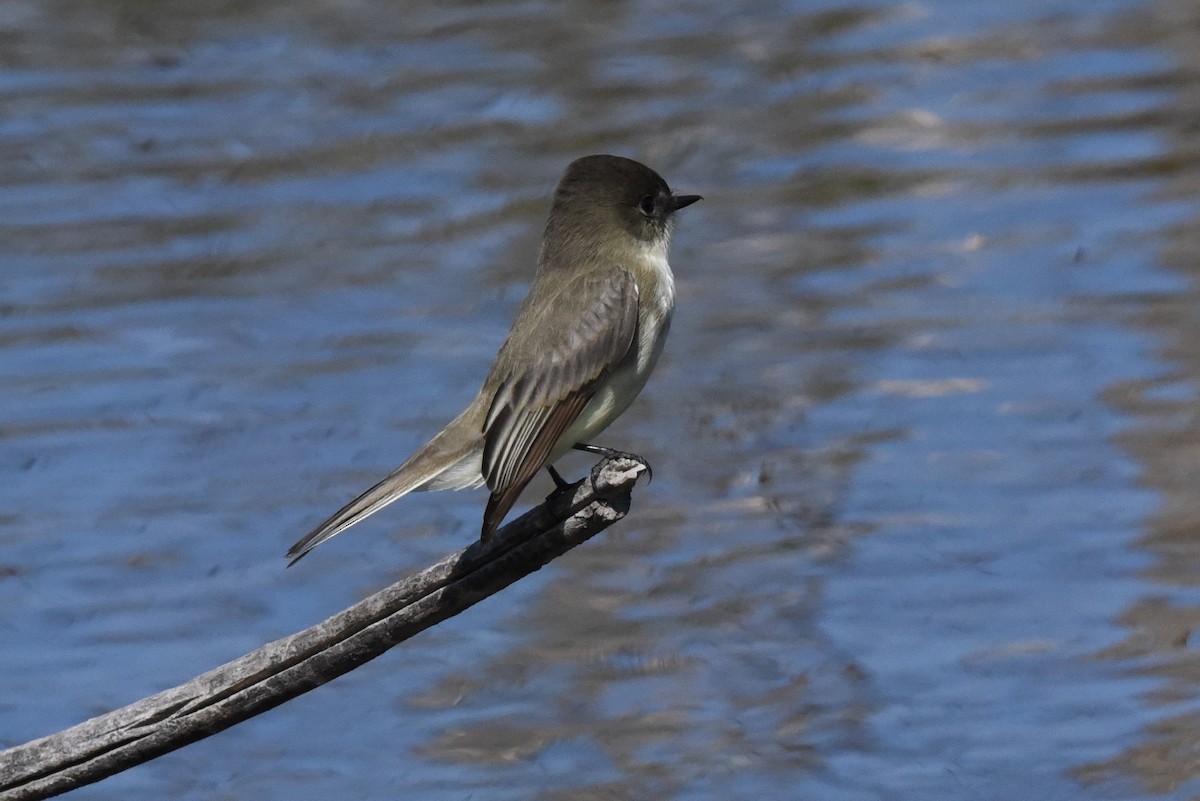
(656, 301)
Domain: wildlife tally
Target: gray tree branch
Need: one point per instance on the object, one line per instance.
(289, 667)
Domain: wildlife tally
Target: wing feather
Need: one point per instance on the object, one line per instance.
(544, 379)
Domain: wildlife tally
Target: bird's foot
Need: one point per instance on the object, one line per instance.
(560, 483)
(613, 453)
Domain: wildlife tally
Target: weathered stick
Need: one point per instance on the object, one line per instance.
(289, 667)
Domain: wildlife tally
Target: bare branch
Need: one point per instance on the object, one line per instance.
(289, 667)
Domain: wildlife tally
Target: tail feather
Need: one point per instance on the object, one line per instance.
(440, 464)
(392, 488)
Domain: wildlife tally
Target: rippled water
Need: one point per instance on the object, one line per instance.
(925, 435)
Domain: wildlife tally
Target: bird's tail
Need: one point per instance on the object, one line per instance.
(451, 460)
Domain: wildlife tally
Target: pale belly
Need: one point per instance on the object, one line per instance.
(622, 387)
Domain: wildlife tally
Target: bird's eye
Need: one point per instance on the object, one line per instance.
(646, 205)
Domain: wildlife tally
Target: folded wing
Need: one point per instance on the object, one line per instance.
(545, 375)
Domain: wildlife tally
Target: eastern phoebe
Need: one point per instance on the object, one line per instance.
(581, 348)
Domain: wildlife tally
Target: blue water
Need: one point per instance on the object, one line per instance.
(923, 499)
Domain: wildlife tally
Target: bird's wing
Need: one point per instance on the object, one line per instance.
(546, 373)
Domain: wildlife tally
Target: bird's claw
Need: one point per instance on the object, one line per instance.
(612, 453)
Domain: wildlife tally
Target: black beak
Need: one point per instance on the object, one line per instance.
(679, 201)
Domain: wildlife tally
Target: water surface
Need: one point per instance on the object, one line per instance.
(924, 434)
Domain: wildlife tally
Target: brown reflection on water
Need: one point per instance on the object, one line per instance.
(1163, 627)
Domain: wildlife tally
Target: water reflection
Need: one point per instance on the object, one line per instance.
(1159, 641)
(920, 526)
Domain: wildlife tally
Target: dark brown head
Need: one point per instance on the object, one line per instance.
(601, 197)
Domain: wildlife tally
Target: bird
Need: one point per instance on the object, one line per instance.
(581, 347)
